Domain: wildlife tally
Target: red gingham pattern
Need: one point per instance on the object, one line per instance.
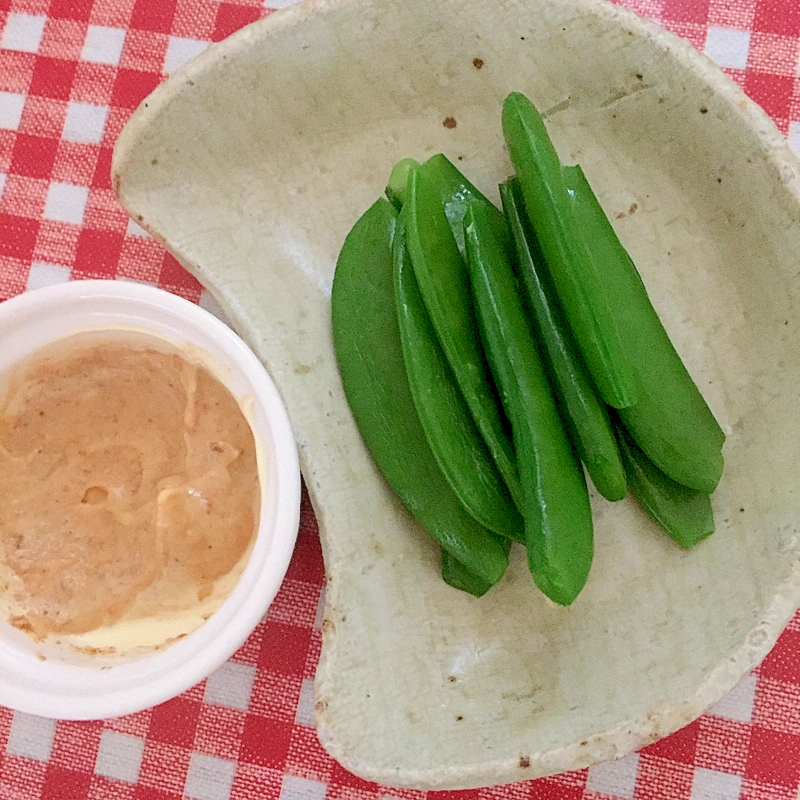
(71, 73)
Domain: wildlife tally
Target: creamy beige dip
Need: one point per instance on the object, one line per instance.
(128, 486)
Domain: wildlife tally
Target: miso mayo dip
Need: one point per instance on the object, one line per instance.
(130, 493)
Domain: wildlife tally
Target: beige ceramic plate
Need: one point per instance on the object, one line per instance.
(251, 165)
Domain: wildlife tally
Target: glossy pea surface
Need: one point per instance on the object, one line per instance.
(584, 412)
(558, 519)
(570, 265)
(671, 421)
(449, 427)
(443, 280)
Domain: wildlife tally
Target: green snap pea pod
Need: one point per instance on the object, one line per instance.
(671, 421)
(449, 428)
(584, 412)
(683, 513)
(570, 265)
(398, 181)
(444, 284)
(455, 192)
(558, 518)
(455, 574)
(370, 358)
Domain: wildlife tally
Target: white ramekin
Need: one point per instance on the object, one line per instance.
(64, 688)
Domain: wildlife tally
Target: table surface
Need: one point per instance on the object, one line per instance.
(71, 73)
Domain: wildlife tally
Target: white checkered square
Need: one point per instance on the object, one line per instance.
(709, 784)
(134, 229)
(2, 182)
(119, 756)
(180, 50)
(103, 45)
(42, 274)
(11, 105)
(31, 737)
(85, 123)
(738, 703)
(23, 32)
(320, 617)
(294, 788)
(617, 778)
(66, 203)
(209, 778)
(211, 304)
(305, 705)
(728, 47)
(231, 685)
(794, 137)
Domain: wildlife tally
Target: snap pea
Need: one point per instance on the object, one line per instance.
(671, 421)
(455, 192)
(398, 181)
(685, 514)
(558, 519)
(585, 415)
(369, 354)
(449, 428)
(570, 265)
(459, 577)
(444, 284)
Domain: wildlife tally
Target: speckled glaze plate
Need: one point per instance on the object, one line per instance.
(252, 163)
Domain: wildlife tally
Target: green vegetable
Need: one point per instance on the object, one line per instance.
(573, 272)
(455, 192)
(584, 413)
(449, 428)
(558, 519)
(398, 180)
(369, 353)
(459, 577)
(444, 284)
(671, 421)
(684, 514)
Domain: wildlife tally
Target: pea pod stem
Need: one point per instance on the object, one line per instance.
(671, 421)
(558, 520)
(568, 261)
(584, 412)
(369, 353)
(449, 428)
(443, 281)
(398, 181)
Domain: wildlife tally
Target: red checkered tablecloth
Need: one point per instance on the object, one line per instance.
(71, 73)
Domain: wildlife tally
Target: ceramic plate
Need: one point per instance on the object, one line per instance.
(252, 163)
